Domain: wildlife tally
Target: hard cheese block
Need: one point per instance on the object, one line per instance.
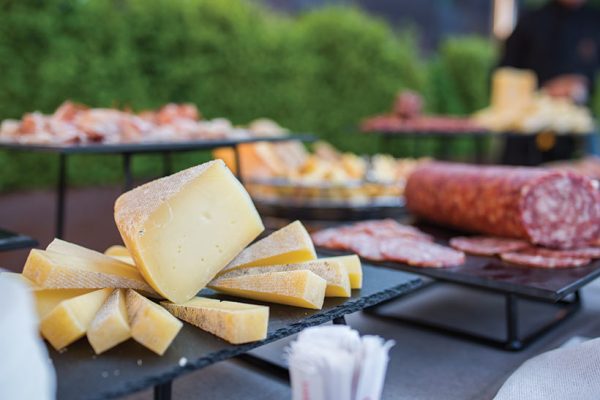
(234, 322)
(353, 267)
(295, 288)
(183, 229)
(46, 299)
(70, 319)
(110, 326)
(334, 273)
(290, 244)
(49, 269)
(151, 325)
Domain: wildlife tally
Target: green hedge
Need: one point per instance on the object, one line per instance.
(320, 72)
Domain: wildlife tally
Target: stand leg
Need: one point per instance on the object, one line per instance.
(340, 321)
(238, 164)
(60, 195)
(265, 366)
(512, 323)
(163, 391)
(127, 172)
(167, 164)
(479, 149)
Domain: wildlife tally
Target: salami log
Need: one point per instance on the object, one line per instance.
(551, 208)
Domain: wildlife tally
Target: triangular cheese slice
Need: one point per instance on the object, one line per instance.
(151, 325)
(295, 288)
(334, 273)
(290, 244)
(70, 319)
(353, 267)
(234, 322)
(52, 270)
(110, 326)
(183, 229)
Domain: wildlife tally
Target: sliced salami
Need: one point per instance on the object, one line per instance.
(366, 246)
(584, 252)
(539, 261)
(419, 253)
(487, 245)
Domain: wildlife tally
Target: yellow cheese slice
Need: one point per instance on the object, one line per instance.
(334, 273)
(151, 325)
(45, 299)
(183, 229)
(295, 288)
(117, 250)
(234, 322)
(290, 244)
(353, 266)
(52, 270)
(70, 319)
(110, 326)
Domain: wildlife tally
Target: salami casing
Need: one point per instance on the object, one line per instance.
(550, 208)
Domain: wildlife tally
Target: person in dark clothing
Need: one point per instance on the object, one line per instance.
(560, 42)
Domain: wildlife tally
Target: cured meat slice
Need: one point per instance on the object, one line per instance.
(550, 208)
(324, 238)
(487, 245)
(583, 252)
(420, 254)
(365, 246)
(539, 261)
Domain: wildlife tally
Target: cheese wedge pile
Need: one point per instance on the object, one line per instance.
(182, 233)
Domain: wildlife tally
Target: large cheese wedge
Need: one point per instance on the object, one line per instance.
(295, 288)
(183, 229)
(151, 325)
(45, 299)
(52, 270)
(334, 273)
(234, 322)
(290, 244)
(110, 326)
(70, 319)
(353, 267)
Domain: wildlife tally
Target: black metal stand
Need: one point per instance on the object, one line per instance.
(60, 195)
(128, 184)
(163, 391)
(513, 341)
(238, 163)
(167, 164)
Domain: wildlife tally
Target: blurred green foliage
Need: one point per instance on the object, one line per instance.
(321, 72)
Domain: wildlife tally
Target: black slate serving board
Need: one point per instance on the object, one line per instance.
(491, 273)
(130, 367)
(14, 241)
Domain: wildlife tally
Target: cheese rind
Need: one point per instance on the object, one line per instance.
(234, 322)
(334, 273)
(301, 288)
(70, 319)
(151, 325)
(183, 229)
(52, 270)
(110, 326)
(353, 266)
(290, 244)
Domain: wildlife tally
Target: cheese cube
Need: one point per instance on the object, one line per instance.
(110, 326)
(151, 325)
(70, 319)
(353, 266)
(334, 273)
(45, 299)
(290, 244)
(295, 288)
(183, 229)
(234, 322)
(52, 270)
